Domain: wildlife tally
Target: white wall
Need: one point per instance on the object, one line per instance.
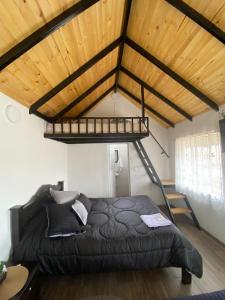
(209, 217)
(27, 160)
(88, 169)
(95, 157)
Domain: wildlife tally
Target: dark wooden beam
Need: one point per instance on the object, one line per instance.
(87, 109)
(85, 94)
(172, 74)
(127, 9)
(34, 107)
(150, 109)
(142, 101)
(43, 32)
(43, 117)
(157, 94)
(202, 21)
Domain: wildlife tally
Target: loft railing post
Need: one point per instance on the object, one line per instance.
(95, 125)
(142, 102)
(87, 125)
(78, 126)
(117, 126)
(70, 126)
(108, 125)
(61, 126)
(53, 124)
(139, 120)
(124, 125)
(132, 125)
(102, 125)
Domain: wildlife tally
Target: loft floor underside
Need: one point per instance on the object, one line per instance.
(91, 138)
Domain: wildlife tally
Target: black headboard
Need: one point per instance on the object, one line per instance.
(21, 214)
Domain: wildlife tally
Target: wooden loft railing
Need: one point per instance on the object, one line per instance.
(99, 129)
(101, 125)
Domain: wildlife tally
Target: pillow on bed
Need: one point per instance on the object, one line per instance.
(85, 201)
(62, 197)
(62, 220)
(80, 211)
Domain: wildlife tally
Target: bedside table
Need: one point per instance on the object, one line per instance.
(30, 274)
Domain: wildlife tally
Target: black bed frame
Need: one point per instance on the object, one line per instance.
(17, 220)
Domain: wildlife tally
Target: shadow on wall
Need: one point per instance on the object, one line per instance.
(140, 182)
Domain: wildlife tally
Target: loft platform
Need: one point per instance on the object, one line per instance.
(98, 130)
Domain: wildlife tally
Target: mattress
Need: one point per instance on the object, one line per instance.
(100, 128)
(115, 239)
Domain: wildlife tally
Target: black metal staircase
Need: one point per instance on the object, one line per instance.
(168, 197)
(152, 172)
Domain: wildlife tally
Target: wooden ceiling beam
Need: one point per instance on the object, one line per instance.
(85, 94)
(87, 109)
(151, 110)
(43, 117)
(156, 93)
(44, 31)
(44, 99)
(128, 4)
(172, 74)
(199, 19)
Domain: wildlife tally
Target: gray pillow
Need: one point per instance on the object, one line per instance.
(62, 197)
(86, 202)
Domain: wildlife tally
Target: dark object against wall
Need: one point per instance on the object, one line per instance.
(222, 134)
(21, 214)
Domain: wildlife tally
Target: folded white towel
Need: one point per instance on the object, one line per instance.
(155, 220)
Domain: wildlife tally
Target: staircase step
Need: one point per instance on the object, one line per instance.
(180, 210)
(168, 182)
(175, 196)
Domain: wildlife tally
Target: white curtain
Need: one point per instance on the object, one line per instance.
(199, 167)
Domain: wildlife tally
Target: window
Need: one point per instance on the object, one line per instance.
(198, 165)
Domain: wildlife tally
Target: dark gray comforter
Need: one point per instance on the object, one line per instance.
(115, 239)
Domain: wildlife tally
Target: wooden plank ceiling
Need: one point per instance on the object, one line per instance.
(177, 56)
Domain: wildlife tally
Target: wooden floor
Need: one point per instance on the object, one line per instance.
(144, 285)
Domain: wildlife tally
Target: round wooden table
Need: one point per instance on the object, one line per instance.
(14, 282)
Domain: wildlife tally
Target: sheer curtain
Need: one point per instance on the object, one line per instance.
(199, 168)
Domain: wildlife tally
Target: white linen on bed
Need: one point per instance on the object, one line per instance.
(81, 211)
(155, 220)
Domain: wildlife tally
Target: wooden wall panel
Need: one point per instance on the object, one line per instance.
(80, 85)
(213, 10)
(60, 54)
(20, 18)
(91, 98)
(150, 99)
(181, 44)
(162, 83)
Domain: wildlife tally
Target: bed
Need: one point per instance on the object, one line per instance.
(115, 239)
